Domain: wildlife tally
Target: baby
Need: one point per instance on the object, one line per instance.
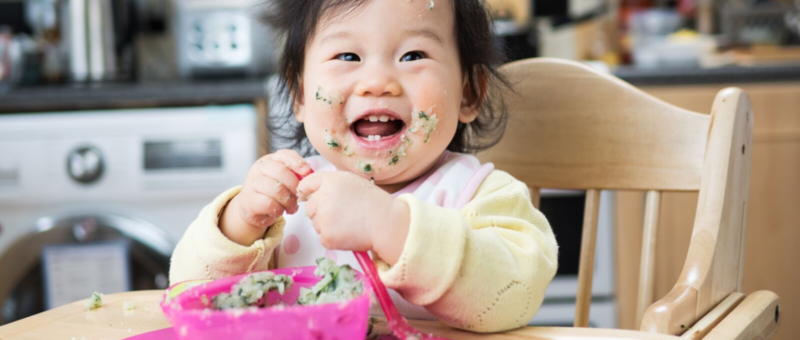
(392, 94)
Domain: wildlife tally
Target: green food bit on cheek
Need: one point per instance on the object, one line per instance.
(365, 167)
(332, 143)
(394, 160)
(422, 115)
(347, 151)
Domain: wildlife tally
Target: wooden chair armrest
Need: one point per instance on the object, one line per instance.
(757, 317)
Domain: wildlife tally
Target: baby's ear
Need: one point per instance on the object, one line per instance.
(298, 104)
(472, 101)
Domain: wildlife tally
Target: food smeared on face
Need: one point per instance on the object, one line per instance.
(364, 167)
(347, 151)
(424, 123)
(332, 143)
(330, 97)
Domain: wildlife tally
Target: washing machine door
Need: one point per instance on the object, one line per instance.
(22, 287)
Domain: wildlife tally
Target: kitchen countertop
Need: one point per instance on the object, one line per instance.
(231, 91)
(131, 95)
(74, 321)
(697, 75)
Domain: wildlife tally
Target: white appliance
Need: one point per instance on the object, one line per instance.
(564, 210)
(74, 185)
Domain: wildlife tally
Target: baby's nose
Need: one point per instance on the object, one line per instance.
(378, 85)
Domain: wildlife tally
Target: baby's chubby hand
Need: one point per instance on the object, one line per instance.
(350, 213)
(268, 191)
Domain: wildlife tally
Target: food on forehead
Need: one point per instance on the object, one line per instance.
(338, 284)
(251, 291)
(128, 306)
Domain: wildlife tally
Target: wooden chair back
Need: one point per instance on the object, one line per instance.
(573, 127)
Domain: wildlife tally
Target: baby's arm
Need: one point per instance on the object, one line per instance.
(205, 253)
(484, 268)
(237, 232)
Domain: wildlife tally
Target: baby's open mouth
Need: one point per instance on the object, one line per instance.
(377, 127)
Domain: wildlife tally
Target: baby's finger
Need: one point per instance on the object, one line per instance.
(292, 160)
(278, 172)
(310, 184)
(260, 211)
(277, 191)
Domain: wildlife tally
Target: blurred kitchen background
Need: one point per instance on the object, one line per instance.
(121, 119)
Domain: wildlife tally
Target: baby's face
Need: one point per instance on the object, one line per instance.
(382, 89)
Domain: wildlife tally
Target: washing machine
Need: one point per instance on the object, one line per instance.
(97, 200)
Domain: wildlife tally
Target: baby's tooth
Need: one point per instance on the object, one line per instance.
(373, 118)
(369, 138)
(377, 138)
(384, 118)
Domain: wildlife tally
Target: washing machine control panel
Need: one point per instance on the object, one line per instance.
(85, 164)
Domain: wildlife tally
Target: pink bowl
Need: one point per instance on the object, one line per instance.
(191, 319)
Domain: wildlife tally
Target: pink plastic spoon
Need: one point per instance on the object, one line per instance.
(396, 322)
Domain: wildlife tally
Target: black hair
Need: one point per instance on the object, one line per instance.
(295, 21)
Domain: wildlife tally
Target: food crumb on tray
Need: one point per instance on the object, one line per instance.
(95, 301)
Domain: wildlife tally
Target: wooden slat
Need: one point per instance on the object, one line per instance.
(586, 269)
(757, 317)
(713, 266)
(647, 262)
(714, 317)
(572, 127)
(536, 197)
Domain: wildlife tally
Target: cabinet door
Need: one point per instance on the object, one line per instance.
(773, 209)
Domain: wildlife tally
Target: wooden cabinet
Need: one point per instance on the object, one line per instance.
(773, 216)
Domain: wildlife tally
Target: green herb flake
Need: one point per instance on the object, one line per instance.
(333, 144)
(365, 167)
(422, 115)
(394, 160)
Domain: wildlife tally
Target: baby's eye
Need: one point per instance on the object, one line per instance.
(414, 55)
(347, 57)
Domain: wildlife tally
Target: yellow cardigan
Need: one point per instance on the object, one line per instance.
(483, 268)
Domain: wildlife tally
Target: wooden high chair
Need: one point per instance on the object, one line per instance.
(573, 127)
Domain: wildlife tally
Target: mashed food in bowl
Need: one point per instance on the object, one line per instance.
(338, 284)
